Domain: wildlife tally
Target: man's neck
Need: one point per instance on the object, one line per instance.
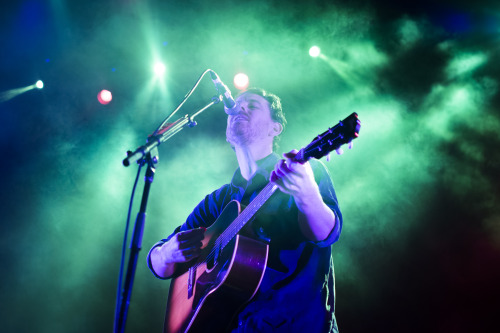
(249, 155)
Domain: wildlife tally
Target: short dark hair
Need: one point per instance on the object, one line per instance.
(277, 113)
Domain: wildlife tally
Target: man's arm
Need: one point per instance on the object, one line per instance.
(316, 220)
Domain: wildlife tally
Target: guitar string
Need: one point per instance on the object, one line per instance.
(211, 255)
(239, 222)
(243, 218)
(259, 201)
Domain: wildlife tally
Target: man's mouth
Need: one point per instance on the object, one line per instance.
(239, 118)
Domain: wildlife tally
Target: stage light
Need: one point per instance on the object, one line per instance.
(11, 93)
(159, 69)
(314, 51)
(104, 96)
(241, 81)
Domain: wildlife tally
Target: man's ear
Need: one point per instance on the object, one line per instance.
(277, 129)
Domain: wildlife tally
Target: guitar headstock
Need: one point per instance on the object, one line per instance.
(344, 132)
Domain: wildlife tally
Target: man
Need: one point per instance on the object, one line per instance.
(302, 221)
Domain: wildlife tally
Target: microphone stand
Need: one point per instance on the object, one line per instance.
(142, 155)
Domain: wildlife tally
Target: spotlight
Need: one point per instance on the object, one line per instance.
(314, 51)
(241, 81)
(104, 96)
(39, 84)
(159, 69)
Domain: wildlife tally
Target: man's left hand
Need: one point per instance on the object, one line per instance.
(295, 178)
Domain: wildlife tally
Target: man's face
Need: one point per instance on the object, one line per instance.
(252, 122)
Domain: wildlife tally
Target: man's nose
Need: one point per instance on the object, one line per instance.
(242, 108)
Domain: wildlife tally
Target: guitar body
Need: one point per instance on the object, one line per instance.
(206, 297)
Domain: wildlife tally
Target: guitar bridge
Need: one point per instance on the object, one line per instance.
(191, 281)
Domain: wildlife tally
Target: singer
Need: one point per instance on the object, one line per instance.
(297, 225)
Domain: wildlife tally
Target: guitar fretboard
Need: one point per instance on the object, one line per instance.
(248, 213)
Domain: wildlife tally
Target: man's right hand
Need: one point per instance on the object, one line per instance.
(183, 246)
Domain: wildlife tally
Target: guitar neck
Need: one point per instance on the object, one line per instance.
(247, 215)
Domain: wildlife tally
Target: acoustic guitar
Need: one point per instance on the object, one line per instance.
(210, 290)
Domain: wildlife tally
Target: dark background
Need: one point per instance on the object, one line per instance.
(420, 248)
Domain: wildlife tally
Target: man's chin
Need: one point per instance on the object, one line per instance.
(237, 140)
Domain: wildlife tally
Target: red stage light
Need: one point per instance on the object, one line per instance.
(104, 96)
(241, 81)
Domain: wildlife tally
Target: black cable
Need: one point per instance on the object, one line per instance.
(124, 249)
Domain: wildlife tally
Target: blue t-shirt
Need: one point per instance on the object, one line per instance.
(297, 292)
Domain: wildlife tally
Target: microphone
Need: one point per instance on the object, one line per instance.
(230, 106)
